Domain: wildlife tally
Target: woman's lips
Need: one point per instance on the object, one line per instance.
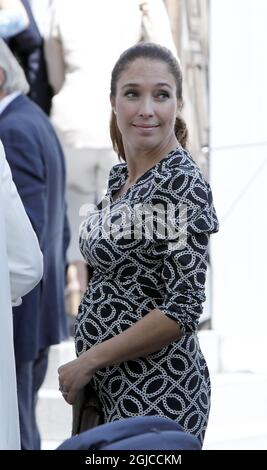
(146, 126)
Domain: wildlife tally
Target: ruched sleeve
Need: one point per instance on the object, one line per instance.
(191, 219)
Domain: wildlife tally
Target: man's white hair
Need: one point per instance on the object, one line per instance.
(15, 79)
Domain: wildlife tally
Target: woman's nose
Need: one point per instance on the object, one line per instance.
(146, 108)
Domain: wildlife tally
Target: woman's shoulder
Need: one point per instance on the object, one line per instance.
(116, 173)
(180, 177)
(118, 170)
(180, 160)
(181, 183)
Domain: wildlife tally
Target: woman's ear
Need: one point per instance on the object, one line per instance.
(112, 102)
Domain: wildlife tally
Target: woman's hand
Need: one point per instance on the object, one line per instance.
(74, 375)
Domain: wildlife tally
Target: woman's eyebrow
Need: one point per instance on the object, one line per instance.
(138, 85)
(164, 84)
(131, 84)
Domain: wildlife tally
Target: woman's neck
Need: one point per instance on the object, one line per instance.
(138, 162)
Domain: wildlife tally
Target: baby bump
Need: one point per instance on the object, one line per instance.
(102, 316)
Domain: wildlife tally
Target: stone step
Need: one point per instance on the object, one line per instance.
(58, 355)
(238, 417)
(238, 398)
(253, 436)
(54, 415)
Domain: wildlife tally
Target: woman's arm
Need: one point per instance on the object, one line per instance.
(150, 334)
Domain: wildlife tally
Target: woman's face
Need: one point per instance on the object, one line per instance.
(146, 105)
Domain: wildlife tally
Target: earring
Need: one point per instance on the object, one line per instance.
(114, 110)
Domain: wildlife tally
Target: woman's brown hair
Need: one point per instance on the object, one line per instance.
(150, 51)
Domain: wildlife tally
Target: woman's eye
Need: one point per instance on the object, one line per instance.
(130, 94)
(163, 95)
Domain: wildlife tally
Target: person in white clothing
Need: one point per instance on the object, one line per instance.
(84, 42)
(21, 268)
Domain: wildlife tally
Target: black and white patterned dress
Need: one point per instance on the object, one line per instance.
(139, 267)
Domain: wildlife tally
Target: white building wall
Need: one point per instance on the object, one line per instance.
(238, 112)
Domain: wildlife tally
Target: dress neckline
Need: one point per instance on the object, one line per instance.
(125, 175)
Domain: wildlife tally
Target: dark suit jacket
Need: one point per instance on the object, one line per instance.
(28, 47)
(37, 164)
